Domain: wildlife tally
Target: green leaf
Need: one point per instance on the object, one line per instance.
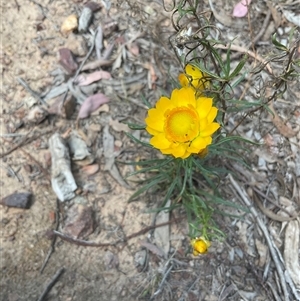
(153, 182)
(134, 126)
(146, 102)
(239, 67)
(277, 44)
(139, 141)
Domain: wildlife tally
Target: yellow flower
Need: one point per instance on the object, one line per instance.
(200, 245)
(194, 77)
(182, 125)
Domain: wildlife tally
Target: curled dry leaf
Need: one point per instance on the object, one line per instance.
(281, 126)
(90, 169)
(67, 61)
(152, 248)
(241, 9)
(91, 104)
(69, 24)
(87, 79)
(118, 126)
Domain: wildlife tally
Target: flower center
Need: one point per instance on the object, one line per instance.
(182, 124)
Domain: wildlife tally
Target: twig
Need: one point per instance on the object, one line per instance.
(11, 171)
(87, 56)
(33, 93)
(262, 31)
(266, 234)
(44, 171)
(24, 141)
(244, 50)
(270, 213)
(51, 283)
(51, 249)
(162, 283)
(86, 243)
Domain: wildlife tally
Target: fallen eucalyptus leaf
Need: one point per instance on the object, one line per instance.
(241, 9)
(118, 126)
(87, 79)
(91, 104)
(90, 169)
(67, 61)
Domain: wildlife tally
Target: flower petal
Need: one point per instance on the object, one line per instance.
(198, 144)
(210, 129)
(163, 104)
(155, 120)
(212, 114)
(152, 131)
(160, 141)
(204, 105)
(184, 97)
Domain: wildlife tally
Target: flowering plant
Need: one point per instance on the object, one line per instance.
(182, 125)
(187, 126)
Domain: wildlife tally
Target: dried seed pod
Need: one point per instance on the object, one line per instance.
(69, 24)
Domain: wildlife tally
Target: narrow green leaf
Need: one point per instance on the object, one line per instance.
(239, 67)
(139, 141)
(152, 183)
(277, 44)
(134, 126)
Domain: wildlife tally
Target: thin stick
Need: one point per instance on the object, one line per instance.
(24, 141)
(51, 283)
(87, 56)
(86, 243)
(33, 93)
(266, 234)
(52, 246)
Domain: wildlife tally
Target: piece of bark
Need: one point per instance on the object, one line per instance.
(62, 179)
(17, 200)
(85, 19)
(79, 150)
(80, 221)
(162, 234)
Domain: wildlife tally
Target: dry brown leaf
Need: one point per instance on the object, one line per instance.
(67, 61)
(152, 248)
(87, 79)
(91, 104)
(90, 169)
(118, 126)
(275, 14)
(283, 129)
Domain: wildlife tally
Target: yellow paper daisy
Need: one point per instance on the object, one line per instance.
(200, 245)
(182, 125)
(193, 77)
